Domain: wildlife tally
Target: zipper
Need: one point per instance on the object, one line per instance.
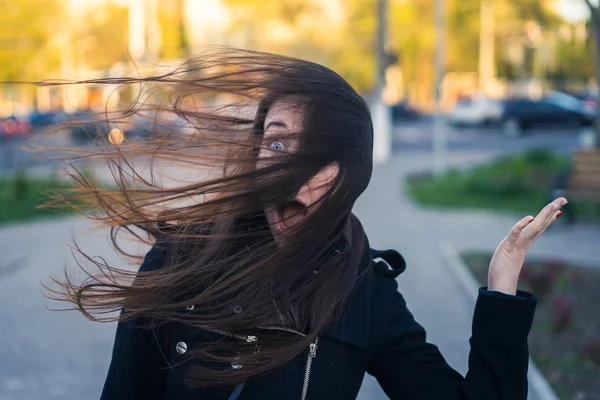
(312, 349)
(249, 339)
(281, 328)
(312, 353)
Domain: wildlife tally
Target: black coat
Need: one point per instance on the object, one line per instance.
(376, 334)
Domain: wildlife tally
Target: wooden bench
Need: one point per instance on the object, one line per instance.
(583, 184)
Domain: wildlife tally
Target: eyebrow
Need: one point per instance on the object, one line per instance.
(278, 124)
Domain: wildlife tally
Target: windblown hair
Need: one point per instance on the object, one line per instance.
(220, 250)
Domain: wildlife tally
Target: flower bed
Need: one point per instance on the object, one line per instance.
(565, 337)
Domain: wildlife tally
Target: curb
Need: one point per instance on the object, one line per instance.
(451, 257)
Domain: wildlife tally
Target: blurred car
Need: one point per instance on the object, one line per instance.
(476, 110)
(45, 119)
(13, 127)
(554, 109)
(403, 111)
(589, 100)
(145, 127)
(154, 123)
(84, 126)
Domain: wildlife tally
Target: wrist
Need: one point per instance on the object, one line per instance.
(506, 288)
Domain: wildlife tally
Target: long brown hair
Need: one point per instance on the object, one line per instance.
(220, 253)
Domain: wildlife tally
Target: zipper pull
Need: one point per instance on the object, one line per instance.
(251, 339)
(313, 350)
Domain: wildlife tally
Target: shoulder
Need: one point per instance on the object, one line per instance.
(166, 246)
(387, 305)
(388, 263)
(155, 258)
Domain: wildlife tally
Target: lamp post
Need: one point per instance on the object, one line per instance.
(440, 133)
(486, 46)
(382, 124)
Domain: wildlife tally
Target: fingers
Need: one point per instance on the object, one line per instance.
(536, 226)
(516, 230)
(549, 214)
(556, 215)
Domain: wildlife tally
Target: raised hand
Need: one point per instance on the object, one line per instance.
(509, 256)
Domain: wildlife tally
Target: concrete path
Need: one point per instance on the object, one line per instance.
(433, 293)
(51, 355)
(44, 354)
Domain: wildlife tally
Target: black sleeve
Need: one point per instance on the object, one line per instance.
(138, 366)
(407, 367)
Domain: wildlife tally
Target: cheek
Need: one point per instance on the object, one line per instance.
(317, 187)
(260, 158)
(264, 158)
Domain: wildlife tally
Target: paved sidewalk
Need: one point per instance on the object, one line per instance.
(433, 293)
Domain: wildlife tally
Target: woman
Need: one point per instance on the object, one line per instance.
(263, 285)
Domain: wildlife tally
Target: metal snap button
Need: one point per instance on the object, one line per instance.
(236, 364)
(190, 307)
(181, 348)
(237, 309)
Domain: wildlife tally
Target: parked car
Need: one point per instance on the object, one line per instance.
(153, 123)
(145, 127)
(589, 100)
(45, 119)
(13, 127)
(403, 111)
(554, 109)
(476, 110)
(85, 126)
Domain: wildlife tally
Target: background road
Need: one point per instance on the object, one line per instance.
(407, 136)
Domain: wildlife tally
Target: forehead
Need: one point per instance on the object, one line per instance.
(288, 110)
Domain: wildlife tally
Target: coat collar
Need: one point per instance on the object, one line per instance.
(353, 325)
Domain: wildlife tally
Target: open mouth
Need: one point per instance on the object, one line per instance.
(291, 214)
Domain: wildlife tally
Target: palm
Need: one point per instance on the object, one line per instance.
(509, 256)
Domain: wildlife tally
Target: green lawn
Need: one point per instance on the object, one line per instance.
(21, 194)
(516, 183)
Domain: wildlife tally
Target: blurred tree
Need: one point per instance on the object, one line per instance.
(412, 33)
(574, 58)
(337, 34)
(303, 28)
(102, 39)
(28, 49)
(174, 34)
(288, 11)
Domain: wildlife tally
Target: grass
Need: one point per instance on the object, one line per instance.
(516, 183)
(565, 337)
(20, 194)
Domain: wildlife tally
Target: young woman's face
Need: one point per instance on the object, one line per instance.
(283, 122)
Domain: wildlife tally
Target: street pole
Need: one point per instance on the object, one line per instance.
(382, 124)
(486, 46)
(440, 134)
(137, 33)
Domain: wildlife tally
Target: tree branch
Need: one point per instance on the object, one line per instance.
(594, 11)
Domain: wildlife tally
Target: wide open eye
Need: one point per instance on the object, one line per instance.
(278, 146)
